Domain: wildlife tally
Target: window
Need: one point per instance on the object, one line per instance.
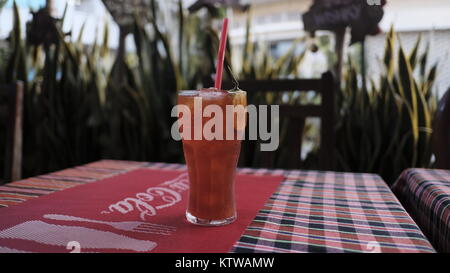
(293, 16)
(276, 18)
(83, 5)
(261, 20)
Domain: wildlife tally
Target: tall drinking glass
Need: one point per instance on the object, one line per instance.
(212, 163)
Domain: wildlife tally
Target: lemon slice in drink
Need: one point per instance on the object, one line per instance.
(240, 118)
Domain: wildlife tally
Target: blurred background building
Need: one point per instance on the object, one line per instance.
(277, 23)
(79, 12)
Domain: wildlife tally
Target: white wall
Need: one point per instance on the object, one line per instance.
(415, 15)
(94, 15)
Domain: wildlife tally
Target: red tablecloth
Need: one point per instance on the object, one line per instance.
(138, 211)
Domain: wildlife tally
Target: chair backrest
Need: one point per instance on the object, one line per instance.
(11, 117)
(297, 114)
(441, 133)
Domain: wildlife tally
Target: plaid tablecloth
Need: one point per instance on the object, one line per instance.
(426, 196)
(310, 212)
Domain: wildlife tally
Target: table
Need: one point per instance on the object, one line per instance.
(426, 196)
(311, 211)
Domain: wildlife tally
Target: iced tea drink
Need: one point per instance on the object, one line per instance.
(212, 163)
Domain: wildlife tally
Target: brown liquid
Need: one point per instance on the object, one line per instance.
(211, 164)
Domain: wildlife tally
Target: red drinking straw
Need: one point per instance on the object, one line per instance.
(221, 54)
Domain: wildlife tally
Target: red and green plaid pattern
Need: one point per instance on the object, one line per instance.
(426, 196)
(310, 212)
(333, 212)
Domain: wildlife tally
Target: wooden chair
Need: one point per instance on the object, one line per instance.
(297, 115)
(11, 116)
(441, 133)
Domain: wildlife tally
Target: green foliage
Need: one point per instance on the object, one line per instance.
(81, 105)
(388, 128)
(2, 4)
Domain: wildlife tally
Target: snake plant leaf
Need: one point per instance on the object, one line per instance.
(64, 15)
(389, 60)
(424, 60)
(409, 91)
(413, 57)
(80, 34)
(104, 49)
